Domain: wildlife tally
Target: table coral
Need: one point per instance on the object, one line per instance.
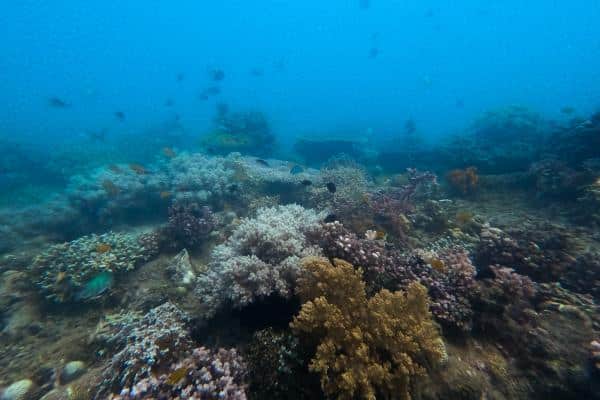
(367, 347)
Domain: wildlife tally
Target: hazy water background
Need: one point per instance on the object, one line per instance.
(441, 63)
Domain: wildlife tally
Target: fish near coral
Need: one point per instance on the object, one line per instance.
(103, 248)
(168, 152)
(138, 169)
(110, 187)
(165, 194)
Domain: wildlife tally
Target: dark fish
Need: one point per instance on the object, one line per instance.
(99, 136)
(410, 126)
(57, 103)
(213, 90)
(330, 218)
(374, 52)
(257, 72)
(120, 115)
(567, 110)
(217, 74)
(262, 162)
(169, 102)
(296, 169)
(306, 182)
(331, 187)
(180, 77)
(222, 109)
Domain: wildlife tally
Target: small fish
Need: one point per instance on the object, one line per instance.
(222, 109)
(296, 169)
(373, 52)
(165, 194)
(567, 110)
(120, 115)
(306, 182)
(331, 187)
(168, 152)
(364, 4)
(110, 187)
(95, 287)
(213, 90)
(180, 77)
(97, 136)
(209, 91)
(103, 248)
(138, 169)
(262, 162)
(115, 168)
(257, 72)
(410, 126)
(459, 103)
(330, 218)
(217, 74)
(57, 103)
(169, 103)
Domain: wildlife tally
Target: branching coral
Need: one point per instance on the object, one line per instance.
(260, 258)
(367, 347)
(142, 344)
(203, 375)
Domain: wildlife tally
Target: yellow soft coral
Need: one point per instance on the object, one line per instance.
(368, 348)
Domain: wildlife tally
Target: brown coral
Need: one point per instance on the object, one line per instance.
(368, 348)
(464, 181)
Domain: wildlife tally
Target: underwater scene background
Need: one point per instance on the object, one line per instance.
(366, 199)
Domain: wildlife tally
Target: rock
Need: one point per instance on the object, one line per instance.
(71, 371)
(180, 269)
(20, 390)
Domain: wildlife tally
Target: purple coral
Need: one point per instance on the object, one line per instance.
(203, 375)
(450, 285)
(189, 223)
(143, 343)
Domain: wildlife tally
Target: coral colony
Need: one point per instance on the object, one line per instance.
(220, 275)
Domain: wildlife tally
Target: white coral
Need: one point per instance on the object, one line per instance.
(260, 258)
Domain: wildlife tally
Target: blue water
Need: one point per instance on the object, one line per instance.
(440, 64)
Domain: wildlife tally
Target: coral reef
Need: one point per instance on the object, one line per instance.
(367, 347)
(245, 132)
(275, 365)
(259, 259)
(463, 181)
(83, 269)
(189, 224)
(141, 344)
(203, 375)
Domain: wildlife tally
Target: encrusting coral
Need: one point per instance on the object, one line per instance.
(259, 259)
(83, 269)
(369, 348)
